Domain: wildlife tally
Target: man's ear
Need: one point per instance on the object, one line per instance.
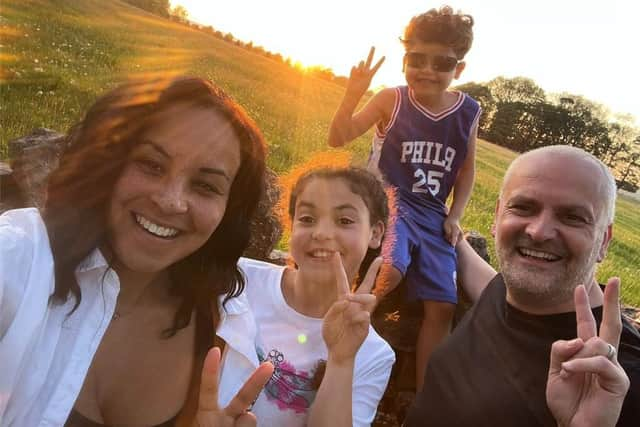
(459, 69)
(608, 234)
(377, 231)
(495, 218)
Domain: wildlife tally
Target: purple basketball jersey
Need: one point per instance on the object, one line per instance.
(419, 152)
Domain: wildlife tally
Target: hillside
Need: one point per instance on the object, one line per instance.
(57, 56)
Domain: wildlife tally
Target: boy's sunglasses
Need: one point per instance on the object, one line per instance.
(439, 63)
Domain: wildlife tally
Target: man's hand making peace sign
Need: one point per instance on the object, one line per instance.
(586, 384)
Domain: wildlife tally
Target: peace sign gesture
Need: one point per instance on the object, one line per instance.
(586, 385)
(346, 324)
(361, 75)
(209, 414)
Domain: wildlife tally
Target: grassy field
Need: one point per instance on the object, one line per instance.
(57, 56)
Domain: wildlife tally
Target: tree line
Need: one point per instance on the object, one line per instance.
(517, 113)
(180, 14)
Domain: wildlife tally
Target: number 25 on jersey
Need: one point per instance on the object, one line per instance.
(429, 182)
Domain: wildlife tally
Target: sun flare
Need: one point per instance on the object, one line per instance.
(337, 34)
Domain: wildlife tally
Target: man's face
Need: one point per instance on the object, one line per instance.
(550, 228)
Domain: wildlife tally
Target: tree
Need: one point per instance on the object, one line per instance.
(619, 137)
(516, 118)
(517, 89)
(519, 115)
(481, 93)
(180, 13)
(588, 127)
(503, 127)
(622, 133)
(630, 170)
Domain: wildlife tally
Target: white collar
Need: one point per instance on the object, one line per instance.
(94, 260)
(235, 305)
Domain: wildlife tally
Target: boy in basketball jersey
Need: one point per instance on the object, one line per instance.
(423, 148)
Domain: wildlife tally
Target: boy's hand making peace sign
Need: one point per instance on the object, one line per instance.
(361, 75)
(586, 384)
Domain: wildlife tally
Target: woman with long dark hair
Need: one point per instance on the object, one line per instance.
(110, 297)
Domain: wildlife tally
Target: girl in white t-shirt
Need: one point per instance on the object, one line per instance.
(331, 367)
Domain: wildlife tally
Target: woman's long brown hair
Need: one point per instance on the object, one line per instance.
(80, 189)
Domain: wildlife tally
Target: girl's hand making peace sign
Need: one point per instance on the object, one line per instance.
(346, 324)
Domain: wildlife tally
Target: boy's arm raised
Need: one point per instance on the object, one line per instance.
(346, 126)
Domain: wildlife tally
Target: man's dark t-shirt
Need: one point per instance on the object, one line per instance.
(492, 371)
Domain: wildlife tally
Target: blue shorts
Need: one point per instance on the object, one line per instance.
(423, 256)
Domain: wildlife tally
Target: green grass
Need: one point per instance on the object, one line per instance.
(84, 47)
(58, 56)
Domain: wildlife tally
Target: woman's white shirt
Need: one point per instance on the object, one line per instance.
(46, 351)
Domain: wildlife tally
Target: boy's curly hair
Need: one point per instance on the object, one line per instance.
(442, 26)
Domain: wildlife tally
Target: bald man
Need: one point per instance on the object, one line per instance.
(543, 345)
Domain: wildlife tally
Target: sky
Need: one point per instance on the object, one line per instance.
(584, 47)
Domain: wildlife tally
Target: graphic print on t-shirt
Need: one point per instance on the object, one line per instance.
(288, 388)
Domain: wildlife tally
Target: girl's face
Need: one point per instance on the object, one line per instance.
(329, 217)
(174, 189)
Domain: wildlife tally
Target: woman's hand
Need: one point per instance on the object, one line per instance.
(346, 324)
(209, 414)
(586, 384)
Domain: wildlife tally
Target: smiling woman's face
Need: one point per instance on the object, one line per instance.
(174, 189)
